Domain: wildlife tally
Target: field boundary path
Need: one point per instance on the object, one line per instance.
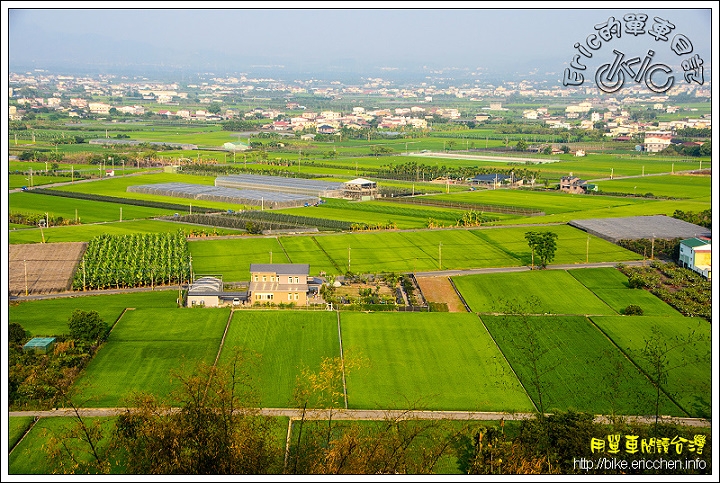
(373, 415)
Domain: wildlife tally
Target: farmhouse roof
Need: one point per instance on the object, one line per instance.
(281, 268)
(695, 242)
(360, 181)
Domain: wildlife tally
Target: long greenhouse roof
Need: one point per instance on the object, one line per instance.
(197, 191)
(280, 182)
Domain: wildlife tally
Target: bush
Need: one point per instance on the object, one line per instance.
(633, 310)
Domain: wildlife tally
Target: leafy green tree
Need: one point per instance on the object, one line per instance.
(214, 108)
(521, 145)
(16, 333)
(633, 309)
(87, 325)
(214, 431)
(544, 245)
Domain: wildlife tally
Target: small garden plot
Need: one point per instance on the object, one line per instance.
(572, 365)
(689, 375)
(43, 268)
(611, 286)
(556, 291)
(280, 345)
(232, 258)
(50, 317)
(429, 361)
(143, 350)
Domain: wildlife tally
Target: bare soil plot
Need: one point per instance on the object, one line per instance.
(439, 290)
(43, 267)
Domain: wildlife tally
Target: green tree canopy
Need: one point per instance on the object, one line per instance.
(87, 325)
(543, 244)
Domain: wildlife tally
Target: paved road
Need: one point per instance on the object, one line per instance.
(371, 414)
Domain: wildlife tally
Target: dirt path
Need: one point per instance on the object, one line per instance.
(439, 290)
(370, 414)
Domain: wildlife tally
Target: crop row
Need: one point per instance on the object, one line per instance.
(135, 260)
(113, 199)
(514, 210)
(258, 220)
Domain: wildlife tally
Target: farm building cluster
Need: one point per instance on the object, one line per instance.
(271, 283)
(264, 191)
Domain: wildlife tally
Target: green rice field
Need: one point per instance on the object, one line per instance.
(280, 345)
(556, 290)
(690, 365)
(50, 316)
(85, 211)
(611, 286)
(570, 365)
(77, 233)
(428, 361)
(397, 251)
(675, 186)
(144, 349)
(30, 456)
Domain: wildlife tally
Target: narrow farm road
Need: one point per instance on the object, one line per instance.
(370, 414)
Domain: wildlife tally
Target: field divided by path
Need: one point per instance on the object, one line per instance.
(556, 291)
(570, 364)
(689, 378)
(144, 349)
(398, 251)
(50, 316)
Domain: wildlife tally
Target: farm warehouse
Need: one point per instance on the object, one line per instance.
(266, 199)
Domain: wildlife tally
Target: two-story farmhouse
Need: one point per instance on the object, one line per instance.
(696, 254)
(279, 283)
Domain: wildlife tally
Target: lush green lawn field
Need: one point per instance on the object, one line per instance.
(572, 365)
(76, 233)
(556, 290)
(611, 286)
(550, 202)
(232, 258)
(374, 212)
(397, 251)
(689, 379)
(675, 186)
(17, 426)
(572, 245)
(427, 361)
(144, 349)
(86, 211)
(648, 207)
(304, 249)
(279, 346)
(50, 316)
(30, 457)
(18, 180)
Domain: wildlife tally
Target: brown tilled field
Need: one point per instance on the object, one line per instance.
(41, 268)
(439, 290)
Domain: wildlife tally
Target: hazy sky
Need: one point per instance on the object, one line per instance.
(353, 39)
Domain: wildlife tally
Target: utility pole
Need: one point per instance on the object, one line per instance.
(348, 259)
(440, 256)
(83, 274)
(587, 250)
(26, 284)
(652, 248)
(121, 213)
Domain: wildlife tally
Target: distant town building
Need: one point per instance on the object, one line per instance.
(656, 141)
